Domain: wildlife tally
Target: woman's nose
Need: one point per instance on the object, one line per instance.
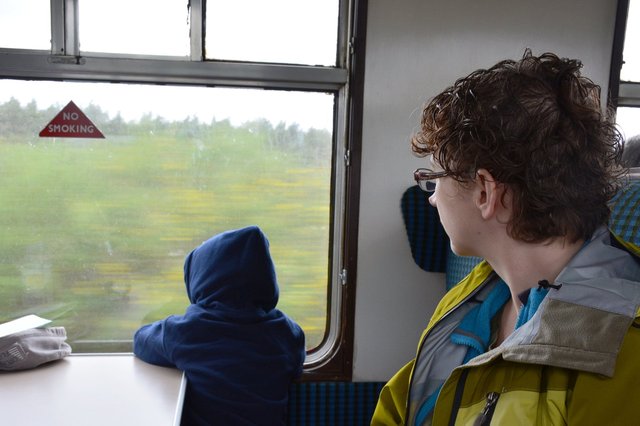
(432, 200)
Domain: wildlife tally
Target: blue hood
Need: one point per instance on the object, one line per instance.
(233, 269)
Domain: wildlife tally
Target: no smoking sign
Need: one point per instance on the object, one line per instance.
(71, 122)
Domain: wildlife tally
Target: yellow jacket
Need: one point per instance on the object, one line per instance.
(576, 361)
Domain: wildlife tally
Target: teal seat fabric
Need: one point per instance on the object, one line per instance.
(458, 267)
(625, 212)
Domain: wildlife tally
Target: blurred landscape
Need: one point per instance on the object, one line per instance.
(93, 232)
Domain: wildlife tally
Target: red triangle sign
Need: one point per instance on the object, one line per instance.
(71, 123)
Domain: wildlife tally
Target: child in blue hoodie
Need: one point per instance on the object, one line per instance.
(239, 353)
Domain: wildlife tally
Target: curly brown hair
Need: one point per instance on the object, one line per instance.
(537, 126)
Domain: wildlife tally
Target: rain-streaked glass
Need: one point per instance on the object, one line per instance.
(94, 232)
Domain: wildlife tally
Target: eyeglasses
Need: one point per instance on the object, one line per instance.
(426, 177)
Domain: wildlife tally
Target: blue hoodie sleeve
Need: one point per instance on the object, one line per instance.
(148, 344)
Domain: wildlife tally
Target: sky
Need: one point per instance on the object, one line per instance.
(631, 53)
(629, 118)
(175, 103)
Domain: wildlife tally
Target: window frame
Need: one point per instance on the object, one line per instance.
(332, 359)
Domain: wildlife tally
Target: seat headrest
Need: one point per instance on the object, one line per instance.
(429, 243)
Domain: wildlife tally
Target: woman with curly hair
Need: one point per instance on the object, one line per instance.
(522, 164)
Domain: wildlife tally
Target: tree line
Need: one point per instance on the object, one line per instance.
(22, 124)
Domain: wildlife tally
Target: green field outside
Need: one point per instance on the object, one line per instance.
(94, 232)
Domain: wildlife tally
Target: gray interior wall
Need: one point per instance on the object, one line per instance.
(415, 48)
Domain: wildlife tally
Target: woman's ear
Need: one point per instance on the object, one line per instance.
(487, 194)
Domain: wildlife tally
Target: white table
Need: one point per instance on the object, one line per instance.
(92, 390)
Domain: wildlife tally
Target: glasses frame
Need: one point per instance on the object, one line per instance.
(426, 178)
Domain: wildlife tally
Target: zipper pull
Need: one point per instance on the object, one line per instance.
(547, 284)
(487, 412)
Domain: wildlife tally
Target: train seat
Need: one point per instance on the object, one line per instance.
(430, 245)
(332, 403)
(625, 213)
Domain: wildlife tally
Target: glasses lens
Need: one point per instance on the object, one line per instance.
(429, 185)
(426, 177)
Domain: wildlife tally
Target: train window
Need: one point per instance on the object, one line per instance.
(25, 24)
(104, 224)
(628, 119)
(150, 27)
(290, 31)
(625, 72)
(95, 230)
(631, 55)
